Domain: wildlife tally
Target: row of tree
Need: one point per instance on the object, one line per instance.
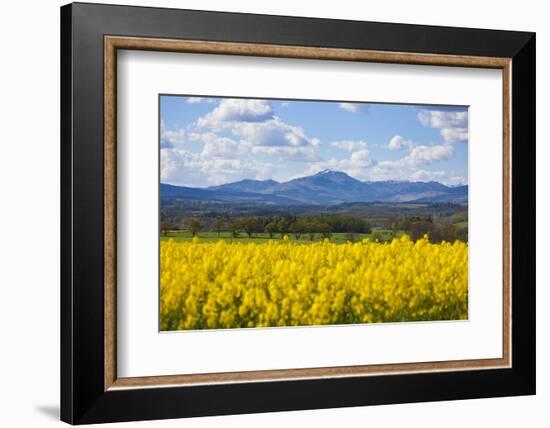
(323, 225)
(437, 231)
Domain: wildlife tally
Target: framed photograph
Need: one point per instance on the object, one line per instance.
(265, 213)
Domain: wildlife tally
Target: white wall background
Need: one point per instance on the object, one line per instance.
(29, 215)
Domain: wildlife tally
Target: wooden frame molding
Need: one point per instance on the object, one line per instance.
(113, 43)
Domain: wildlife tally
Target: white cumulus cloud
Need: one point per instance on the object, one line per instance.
(182, 167)
(222, 147)
(429, 154)
(350, 145)
(453, 125)
(255, 127)
(287, 153)
(397, 142)
(272, 132)
(170, 138)
(236, 110)
(451, 135)
(443, 119)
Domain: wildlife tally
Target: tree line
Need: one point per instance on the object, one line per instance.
(438, 229)
(441, 230)
(310, 226)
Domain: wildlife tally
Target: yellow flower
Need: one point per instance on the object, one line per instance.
(236, 285)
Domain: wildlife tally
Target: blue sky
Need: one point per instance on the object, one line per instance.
(207, 141)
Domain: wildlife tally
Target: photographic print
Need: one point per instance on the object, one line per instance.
(282, 213)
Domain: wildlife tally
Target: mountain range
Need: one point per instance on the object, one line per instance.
(324, 188)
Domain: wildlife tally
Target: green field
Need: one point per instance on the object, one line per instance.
(337, 238)
(462, 224)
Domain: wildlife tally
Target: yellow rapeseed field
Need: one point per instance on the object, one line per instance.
(235, 285)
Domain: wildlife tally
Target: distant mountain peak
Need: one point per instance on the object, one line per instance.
(324, 171)
(332, 175)
(331, 172)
